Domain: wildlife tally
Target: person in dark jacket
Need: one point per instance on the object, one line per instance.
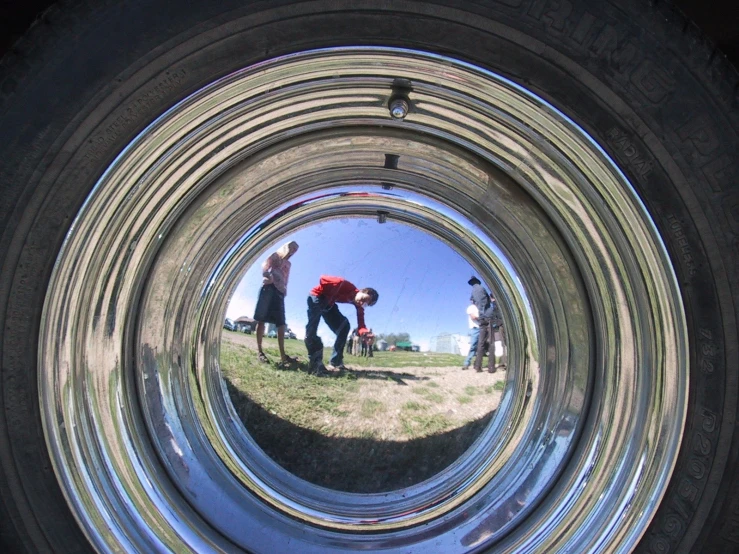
(490, 320)
(322, 304)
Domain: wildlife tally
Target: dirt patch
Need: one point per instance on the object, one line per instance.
(389, 399)
(462, 396)
(250, 341)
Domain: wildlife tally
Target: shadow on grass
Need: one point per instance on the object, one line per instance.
(360, 465)
(364, 373)
(384, 375)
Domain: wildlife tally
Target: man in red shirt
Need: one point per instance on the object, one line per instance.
(322, 303)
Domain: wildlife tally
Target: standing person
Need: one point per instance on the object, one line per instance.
(271, 303)
(355, 342)
(322, 304)
(350, 342)
(370, 338)
(489, 320)
(504, 355)
(364, 345)
(472, 321)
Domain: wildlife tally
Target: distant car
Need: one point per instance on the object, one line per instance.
(272, 333)
(228, 324)
(244, 328)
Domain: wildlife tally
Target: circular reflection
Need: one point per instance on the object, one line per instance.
(149, 447)
(397, 407)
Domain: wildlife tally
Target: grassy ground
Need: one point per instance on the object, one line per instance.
(390, 421)
(296, 348)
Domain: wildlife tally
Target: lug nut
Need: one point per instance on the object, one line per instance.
(399, 108)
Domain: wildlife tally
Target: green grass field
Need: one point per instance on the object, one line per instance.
(372, 428)
(306, 399)
(397, 359)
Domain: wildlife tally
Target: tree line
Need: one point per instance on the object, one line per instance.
(394, 338)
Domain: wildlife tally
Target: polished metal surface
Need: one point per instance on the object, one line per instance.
(146, 444)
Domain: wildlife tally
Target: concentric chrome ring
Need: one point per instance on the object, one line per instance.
(144, 440)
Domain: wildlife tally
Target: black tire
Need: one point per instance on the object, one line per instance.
(637, 77)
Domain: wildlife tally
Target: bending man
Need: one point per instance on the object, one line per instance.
(322, 304)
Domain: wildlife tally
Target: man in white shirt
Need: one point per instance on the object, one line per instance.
(472, 320)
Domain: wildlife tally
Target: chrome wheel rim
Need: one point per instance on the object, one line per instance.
(145, 443)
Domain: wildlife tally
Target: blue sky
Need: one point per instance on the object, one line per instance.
(421, 281)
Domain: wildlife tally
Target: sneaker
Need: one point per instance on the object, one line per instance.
(501, 366)
(493, 369)
(262, 358)
(465, 367)
(340, 367)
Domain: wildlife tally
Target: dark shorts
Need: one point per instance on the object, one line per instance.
(270, 306)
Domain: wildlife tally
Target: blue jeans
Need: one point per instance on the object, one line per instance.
(474, 337)
(335, 320)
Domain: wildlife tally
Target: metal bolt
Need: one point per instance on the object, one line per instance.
(399, 108)
(381, 216)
